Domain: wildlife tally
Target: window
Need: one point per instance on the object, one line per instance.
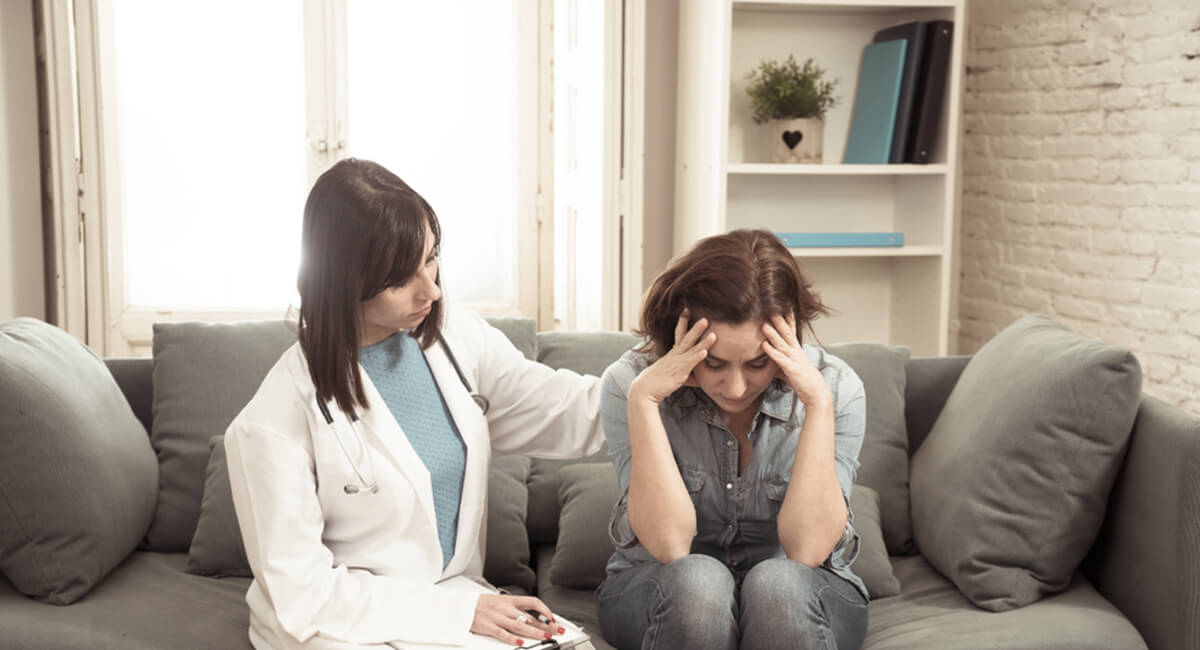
(217, 117)
(211, 180)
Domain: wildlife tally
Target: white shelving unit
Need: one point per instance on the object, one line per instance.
(903, 295)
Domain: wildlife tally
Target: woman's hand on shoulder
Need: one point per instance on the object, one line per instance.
(674, 369)
(504, 617)
(782, 345)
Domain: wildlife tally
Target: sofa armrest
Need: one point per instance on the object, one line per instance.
(1146, 560)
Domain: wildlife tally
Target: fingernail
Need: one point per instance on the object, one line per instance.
(547, 635)
(561, 630)
(520, 641)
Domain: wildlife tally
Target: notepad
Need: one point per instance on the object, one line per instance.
(574, 635)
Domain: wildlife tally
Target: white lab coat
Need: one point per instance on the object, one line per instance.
(337, 570)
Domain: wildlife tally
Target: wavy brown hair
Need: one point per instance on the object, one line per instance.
(364, 231)
(741, 276)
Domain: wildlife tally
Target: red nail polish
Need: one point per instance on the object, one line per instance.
(561, 630)
(547, 635)
(520, 642)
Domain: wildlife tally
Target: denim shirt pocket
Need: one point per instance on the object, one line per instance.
(693, 480)
(775, 489)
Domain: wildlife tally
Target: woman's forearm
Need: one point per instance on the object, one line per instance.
(660, 511)
(813, 515)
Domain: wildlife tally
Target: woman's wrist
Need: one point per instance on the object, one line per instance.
(819, 400)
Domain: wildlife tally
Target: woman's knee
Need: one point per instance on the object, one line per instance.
(699, 580)
(698, 603)
(781, 582)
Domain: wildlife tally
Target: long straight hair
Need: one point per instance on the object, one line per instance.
(364, 231)
(738, 277)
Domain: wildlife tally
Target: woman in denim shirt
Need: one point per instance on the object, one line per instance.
(735, 446)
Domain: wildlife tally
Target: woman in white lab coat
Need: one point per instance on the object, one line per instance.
(348, 544)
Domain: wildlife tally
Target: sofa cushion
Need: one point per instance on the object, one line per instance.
(543, 482)
(883, 461)
(147, 603)
(506, 563)
(872, 564)
(588, 353)
(931, 613)
(77, 474)
(204, 373)
(217, 548)
(587, 493)
(576, 605)
(1009, 489)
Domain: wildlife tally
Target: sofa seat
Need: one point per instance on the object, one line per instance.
(931, 613)
(147, 603)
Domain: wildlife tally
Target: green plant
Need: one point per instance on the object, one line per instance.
(784, 91)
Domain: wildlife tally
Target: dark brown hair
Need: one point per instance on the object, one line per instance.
(741, 276)
(364, 231)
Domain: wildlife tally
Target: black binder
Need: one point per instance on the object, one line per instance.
(914, 33)
(935, 67)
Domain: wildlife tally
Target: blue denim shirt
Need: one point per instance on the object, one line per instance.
(735, 515)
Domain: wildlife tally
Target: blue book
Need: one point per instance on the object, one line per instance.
(873, 124)
(840, 239)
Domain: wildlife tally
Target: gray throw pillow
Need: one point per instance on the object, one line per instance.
(883, 461)
(586, 495)
(506, 563)
(204, 374)
(872, 564)
(217, 548)
(1009, 489)
(77, 474)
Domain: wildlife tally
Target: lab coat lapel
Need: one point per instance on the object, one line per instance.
(472, 426)
(379, 422)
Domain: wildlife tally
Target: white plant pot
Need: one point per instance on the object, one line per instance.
(797, 141)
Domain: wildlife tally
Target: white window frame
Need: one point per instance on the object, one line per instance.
(89, 288)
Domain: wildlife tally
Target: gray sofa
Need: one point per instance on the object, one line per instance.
(1139, 583)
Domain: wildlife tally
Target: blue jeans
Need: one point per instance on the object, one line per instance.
(697, 602)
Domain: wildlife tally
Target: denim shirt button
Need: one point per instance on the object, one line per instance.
(729, 443)
(729, 486)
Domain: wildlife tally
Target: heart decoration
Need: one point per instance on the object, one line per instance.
(792, 138)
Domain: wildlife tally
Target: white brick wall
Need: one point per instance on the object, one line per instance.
(1081, 177)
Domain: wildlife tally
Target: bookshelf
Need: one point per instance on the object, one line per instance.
(902, 295)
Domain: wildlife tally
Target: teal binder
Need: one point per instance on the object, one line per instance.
(874, 120)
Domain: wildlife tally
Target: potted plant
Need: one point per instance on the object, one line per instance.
(793, 99)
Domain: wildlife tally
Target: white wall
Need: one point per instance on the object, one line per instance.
(1082, 177)
(21, 271)
(662, 37)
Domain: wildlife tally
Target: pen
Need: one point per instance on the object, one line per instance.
(548, 644)
(539, 616)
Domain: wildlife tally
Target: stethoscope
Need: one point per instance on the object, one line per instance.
(371, 487)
